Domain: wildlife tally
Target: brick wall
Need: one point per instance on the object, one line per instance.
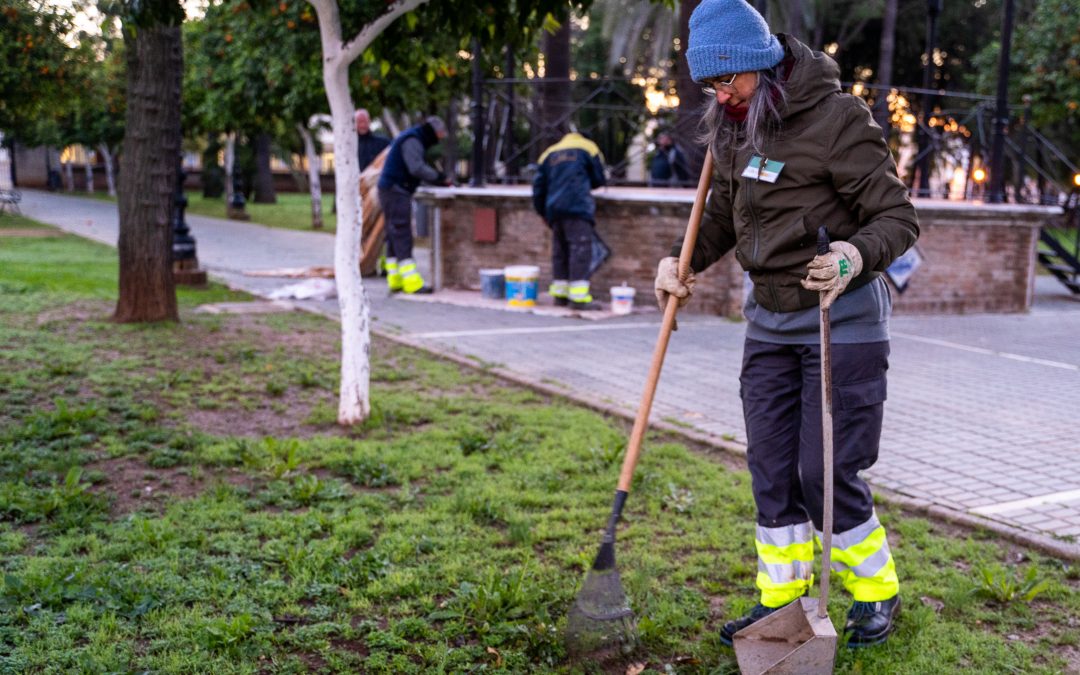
(977, 258)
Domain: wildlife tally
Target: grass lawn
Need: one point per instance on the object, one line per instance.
(291, 212)
(177, 499)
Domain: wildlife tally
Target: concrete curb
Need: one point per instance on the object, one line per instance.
(1040, 542)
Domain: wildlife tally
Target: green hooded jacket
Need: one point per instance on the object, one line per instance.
(837, 171)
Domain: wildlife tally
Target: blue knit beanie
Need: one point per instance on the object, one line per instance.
(729, 36)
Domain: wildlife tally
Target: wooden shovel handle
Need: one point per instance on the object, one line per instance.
(641, 422)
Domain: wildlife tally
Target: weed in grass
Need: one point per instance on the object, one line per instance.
(472, 441)
(276, 386)
(483, 509)
(1002, 586)
(310, 378)
(284, 456)
(222, 634)
(607, 454)
(520, 532)
(680, 500)
(369, 472)
(363, 568)
(277, 457)
(63, 504)
(303, 490)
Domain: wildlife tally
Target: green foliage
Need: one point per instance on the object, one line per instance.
(415, 556)
(497, 599)
(680, 500)
(1005, 586)
(32, 50)
(226, 634)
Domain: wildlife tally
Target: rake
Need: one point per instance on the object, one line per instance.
(601, 622)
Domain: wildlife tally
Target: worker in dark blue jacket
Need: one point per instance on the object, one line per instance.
(569, 170)
(402, 173)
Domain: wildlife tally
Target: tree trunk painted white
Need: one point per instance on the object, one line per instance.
(355, 403)
(69, 176)
(110, 178)
(314, 163)
(230, 157)
(89, 174)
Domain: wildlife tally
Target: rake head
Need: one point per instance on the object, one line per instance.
(601, 624)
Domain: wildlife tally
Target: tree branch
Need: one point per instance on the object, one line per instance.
(329, 28)
(356, 46)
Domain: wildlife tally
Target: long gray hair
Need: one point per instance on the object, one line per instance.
(762, 119)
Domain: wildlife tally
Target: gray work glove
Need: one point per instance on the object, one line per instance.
(831, 273)
(668, 283)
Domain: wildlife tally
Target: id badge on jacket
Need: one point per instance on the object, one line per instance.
(768, 173)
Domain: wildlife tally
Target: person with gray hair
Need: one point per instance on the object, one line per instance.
(368, 143)
(791, 153)
(402, 173)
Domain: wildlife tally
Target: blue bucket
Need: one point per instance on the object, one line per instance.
(492, 284)
(521, 285)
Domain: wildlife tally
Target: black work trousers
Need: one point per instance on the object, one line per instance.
(781, 394)
(571, 249)
(397, 218)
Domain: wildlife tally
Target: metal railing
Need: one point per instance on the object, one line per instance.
(612, 112)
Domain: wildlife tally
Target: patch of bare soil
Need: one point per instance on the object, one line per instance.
(1072, 660)
(77, 313)
(134, 486)
(265, 421)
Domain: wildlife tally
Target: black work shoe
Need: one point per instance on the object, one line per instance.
(869, 623)
(423, 290)
(759, 612)
(562, 302)
(586, 306)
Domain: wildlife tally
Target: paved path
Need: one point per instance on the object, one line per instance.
(980, 412)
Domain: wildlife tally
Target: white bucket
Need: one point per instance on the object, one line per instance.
(521, 285)
(622, 299)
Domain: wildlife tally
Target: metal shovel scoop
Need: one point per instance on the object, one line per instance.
(800, 637)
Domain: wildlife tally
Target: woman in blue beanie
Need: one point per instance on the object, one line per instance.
(792, 153)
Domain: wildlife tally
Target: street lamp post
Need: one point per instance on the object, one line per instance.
(235, 208)
(185, 263)
(1001, 114)
(933, 10)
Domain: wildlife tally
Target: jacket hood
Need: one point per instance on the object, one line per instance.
(814, 77)
(427, 135)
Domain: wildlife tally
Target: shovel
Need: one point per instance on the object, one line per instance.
(800, 637)
(600, 623)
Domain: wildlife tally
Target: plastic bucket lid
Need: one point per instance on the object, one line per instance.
(623, 292)
(522, 272)
(491, 272)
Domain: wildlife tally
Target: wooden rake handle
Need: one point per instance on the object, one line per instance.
(641, 422)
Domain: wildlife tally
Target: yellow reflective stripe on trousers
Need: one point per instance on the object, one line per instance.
(579, 291)
(866, 567)
(559, 289)
(411, 281)
(785, 563)
(393, 277)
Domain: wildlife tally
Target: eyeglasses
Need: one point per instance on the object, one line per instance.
(717, 82)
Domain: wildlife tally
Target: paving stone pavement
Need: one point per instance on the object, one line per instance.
(979, 417)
